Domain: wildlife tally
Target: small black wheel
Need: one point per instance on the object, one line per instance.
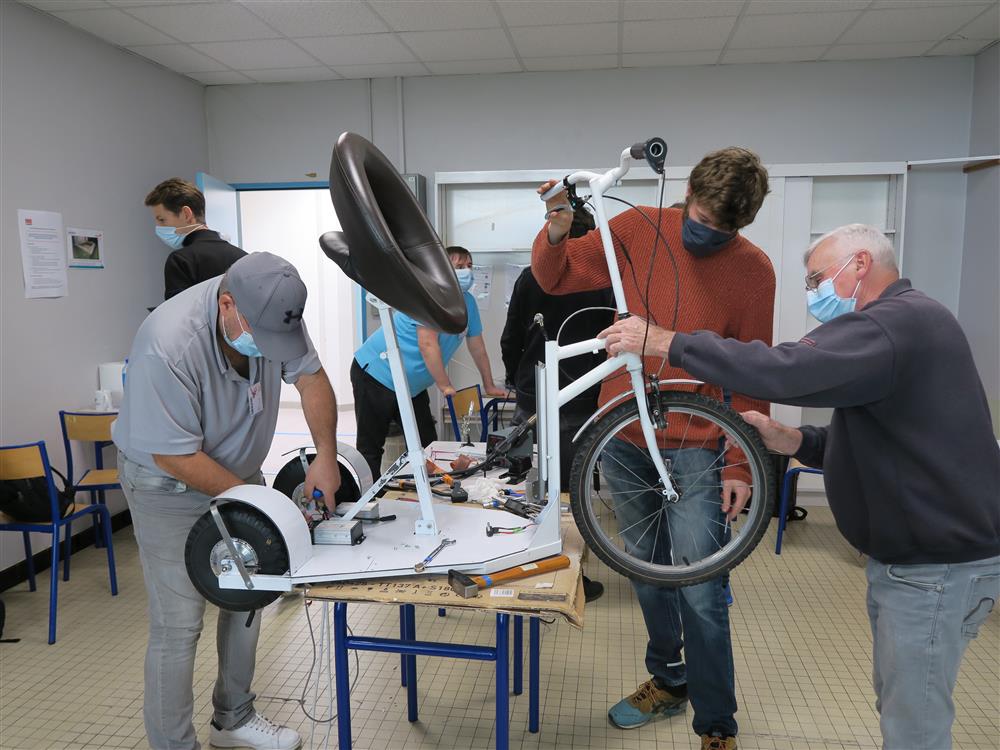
(628, 518)
(258, 543)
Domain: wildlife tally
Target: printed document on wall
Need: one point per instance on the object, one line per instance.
(43, 253)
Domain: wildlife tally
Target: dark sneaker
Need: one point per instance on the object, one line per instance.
(646, 703)
(715, 742)
(592, 590)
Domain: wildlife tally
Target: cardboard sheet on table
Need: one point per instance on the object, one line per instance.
(435, 591)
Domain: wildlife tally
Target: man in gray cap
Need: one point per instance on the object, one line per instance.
(198, 417)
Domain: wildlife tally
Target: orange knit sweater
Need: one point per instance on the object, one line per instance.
(730, 293)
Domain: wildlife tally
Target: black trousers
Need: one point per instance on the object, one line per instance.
(570, 420)
(375, 407)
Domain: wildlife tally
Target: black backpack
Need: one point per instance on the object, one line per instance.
(27, 500)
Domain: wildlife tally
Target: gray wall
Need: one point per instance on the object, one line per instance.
(879, 110)
(979, 298)
(86, 130)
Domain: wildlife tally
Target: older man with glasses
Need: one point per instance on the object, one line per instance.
(910, 461)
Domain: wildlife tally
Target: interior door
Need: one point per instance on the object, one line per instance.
(222, 207)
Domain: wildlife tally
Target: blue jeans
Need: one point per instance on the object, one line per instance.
(922, 618)
(698, 612)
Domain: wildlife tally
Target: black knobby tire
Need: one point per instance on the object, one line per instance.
(583, 476)
(253, 527)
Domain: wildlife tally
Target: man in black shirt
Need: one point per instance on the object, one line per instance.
(199, 253)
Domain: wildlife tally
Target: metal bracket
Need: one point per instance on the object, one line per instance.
(237, 559)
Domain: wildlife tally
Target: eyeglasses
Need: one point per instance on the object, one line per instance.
(814, 279)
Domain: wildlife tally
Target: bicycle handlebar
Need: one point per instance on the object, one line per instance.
(653, 151)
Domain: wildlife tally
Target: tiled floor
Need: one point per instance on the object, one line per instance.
(800, 633)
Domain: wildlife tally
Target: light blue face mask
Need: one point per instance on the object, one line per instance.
(244, 343)
(170, 237)
(465, 278)
(825, 304)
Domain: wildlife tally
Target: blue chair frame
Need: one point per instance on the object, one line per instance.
(55, 528)
(488, 411)
(789, 481)
(96, 490)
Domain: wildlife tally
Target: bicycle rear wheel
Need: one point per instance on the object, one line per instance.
(617, 499)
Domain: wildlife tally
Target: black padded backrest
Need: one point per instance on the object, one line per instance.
(387, 245)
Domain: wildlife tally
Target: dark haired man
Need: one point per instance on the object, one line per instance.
(199, 253)
(724, 283)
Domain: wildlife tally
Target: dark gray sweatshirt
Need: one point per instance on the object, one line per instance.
(910, 462)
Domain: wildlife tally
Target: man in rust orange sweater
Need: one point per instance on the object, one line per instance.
(708, 277)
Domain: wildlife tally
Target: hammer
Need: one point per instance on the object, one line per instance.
(467, 586)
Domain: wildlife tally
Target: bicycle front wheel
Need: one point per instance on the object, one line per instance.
(625, 517)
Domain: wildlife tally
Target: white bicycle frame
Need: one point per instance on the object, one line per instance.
(555, 398)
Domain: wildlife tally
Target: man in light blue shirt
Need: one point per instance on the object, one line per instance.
(425, 354)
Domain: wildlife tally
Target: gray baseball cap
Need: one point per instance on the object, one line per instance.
(271, 296)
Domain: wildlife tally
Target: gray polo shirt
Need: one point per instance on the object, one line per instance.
(183, 396)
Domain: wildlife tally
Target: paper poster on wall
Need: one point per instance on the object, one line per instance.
(483, 284)
(43, 254)
(513, 273)
(85, 247)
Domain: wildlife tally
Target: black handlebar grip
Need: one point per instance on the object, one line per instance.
(638, 151)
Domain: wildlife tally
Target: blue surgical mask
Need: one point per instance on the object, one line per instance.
(702, 241)
(171, 238)
(244, 343)
(824, 302)
(465, 278)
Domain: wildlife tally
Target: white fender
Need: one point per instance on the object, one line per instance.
(283, 513)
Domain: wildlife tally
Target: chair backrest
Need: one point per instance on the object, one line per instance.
(88, 427)
(459, 405)
(29, 461)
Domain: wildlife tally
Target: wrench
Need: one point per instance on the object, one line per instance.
(419, 567)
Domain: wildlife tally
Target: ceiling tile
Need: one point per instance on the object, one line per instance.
(51, 6)
(773, 54)
(436, 15)
(802, 29)
(179, 57)
(220, 79)
(647, 10)
(258, 54)
(911, 25)
(986, 26)
(292, 75)
(804, 6)
(568, 39)
(384, 70)
(114, 25)
(959, 47)
(661, 59)
(205, 22)
(907, 4)
(872, 51)
(139, 3)
(467, 67)
(475, 44)
(676, 36)
(358, 49)
(553, 12)
(317, 17)
(572, 62)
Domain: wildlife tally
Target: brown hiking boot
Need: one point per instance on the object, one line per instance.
(711, 742)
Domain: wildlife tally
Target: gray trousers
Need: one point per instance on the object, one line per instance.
(923, 617)
(163, 512)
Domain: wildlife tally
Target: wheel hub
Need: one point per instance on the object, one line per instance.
(221, 561)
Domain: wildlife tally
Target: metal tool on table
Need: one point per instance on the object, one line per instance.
(467, 586)
(420, 566)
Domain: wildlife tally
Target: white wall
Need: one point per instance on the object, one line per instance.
(979, 297)
(87, 130)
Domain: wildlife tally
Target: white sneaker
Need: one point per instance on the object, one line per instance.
(258, 734)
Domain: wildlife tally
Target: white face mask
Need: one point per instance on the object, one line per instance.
(465, 278)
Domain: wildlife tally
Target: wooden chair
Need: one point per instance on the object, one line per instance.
(30, 461)
(90, 427)
(482, 414)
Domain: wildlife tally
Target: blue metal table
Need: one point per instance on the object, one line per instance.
(409, 648)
